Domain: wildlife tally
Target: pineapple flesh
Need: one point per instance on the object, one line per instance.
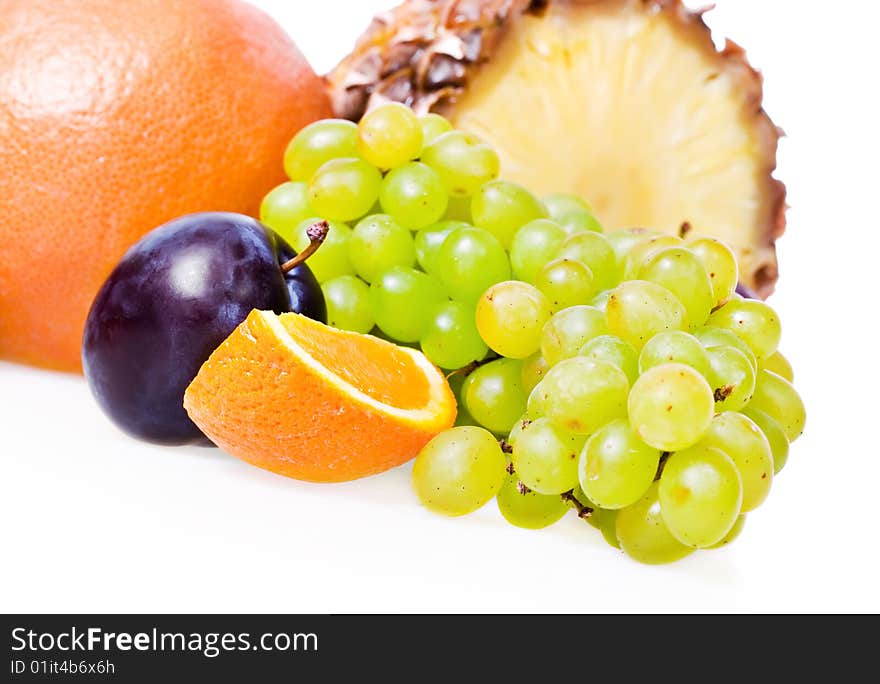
(625, 102)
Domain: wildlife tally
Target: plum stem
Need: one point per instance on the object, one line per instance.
(583, 512)
(317, 233)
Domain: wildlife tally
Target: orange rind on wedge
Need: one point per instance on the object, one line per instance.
(304, 400)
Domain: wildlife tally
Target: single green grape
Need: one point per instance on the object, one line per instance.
(637, 310)
(738, 437)
(429, 240)
(675, 346)
(643, 249)
(569, 330)
(613, 350)
(534, 369)
(683, 274)
(331, 260)
(700, 495)
(566, 282)
(720, 263)
(775, 396)
(732, 378)
(644, 536)
(524, 508)
(719, 337)
(348, 304)
(775, 436)
(377, 243)
(671, 407)
(433, 126)
(451, 339)
(753, 322)
(390, 136)
(404, 302)
(285, 207)
(581, 395)
(459, 471)
(510, 318)
(502, 208)
(344, 189)
(414, 195)
(534, 245)
(616, 468)
(777, 363)
(594, 250)
(731, 536)
(318, 143)
(561, 205)
(463, 161)
(469, 261)
(545, 456)
(494, 395)
(580, 222)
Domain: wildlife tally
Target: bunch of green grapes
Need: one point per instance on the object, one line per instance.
(660, 407)
(619, 374)
(419, 226)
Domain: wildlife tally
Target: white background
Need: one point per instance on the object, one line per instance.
(93, 521)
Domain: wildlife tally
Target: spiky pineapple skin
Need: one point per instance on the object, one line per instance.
(419, 53)
(425, 53)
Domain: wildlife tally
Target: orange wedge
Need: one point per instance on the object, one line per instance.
(301, 399)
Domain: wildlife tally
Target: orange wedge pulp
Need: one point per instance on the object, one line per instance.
(301, 399)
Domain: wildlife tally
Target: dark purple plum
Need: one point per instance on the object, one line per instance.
(174, 297)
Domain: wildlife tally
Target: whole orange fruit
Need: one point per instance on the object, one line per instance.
(116, 116)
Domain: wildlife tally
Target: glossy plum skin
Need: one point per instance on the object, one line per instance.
(174, 297)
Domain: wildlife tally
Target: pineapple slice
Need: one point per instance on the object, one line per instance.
(625, 102)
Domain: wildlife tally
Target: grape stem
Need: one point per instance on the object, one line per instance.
(662, 464)
(471, 367)
(317, 233)
(507, 449)
(583, 512)
(685, 228)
